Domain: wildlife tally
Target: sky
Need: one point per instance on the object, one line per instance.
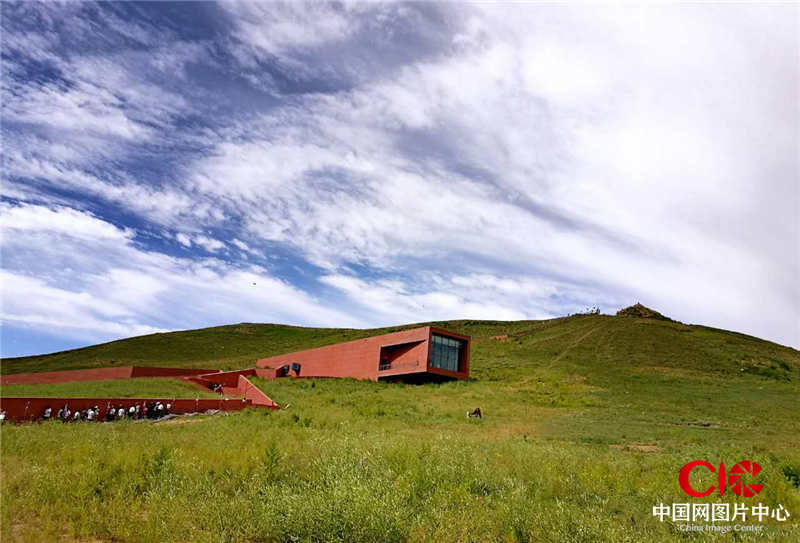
(171, 166)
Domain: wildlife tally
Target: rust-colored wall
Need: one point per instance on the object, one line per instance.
(149, 371)
(96, 374)
(407, 359)
(99, 374)
(21, 409)
(267, 373)
(254, 394)
(233, 382)
(360, 358)
(226, 378)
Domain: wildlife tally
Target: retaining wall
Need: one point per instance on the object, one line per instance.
(27, 409)
(235, 382)
(232, 382)
(388, 356)
(96, 374)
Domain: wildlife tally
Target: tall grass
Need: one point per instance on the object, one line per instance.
(351, 475)
(558, 457)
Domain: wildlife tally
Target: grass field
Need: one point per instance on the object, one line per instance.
(588, 420)
(141, 387)
(222, 347)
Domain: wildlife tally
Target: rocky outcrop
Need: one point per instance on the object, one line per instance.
(642, 312)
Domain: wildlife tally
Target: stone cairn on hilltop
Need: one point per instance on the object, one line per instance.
(642, 312)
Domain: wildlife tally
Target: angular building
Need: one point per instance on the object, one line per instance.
(419, 355)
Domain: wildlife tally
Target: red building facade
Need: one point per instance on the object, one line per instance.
(410, 356)
(417, 355)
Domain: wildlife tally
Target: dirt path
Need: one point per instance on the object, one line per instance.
(577, 342)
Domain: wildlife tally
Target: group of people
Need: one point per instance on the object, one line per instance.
(150, 410)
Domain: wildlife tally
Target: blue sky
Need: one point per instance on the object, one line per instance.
(173, 166)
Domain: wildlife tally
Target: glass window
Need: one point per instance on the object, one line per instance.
(445, 352)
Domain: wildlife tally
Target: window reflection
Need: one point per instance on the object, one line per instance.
(445, 352)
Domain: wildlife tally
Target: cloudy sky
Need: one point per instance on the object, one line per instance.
(173, 166)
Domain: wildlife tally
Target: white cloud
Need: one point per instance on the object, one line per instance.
(242, 246)
(280, 28)
(545, 158)
(183, 239)
(608, 165)
(31, 302)
(59, 166)
(85, 109)
(70, 127)
(209, 244)
(69, 273)
(121, 104)
(392, 302)
(31, 219)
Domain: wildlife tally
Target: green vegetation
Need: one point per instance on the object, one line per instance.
(143, 387)
(587, 421)
(223, 347)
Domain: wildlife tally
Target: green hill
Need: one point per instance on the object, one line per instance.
(583, 339)
(587, 421)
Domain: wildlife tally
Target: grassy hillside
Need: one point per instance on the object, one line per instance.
(225, 347)
(588, 420)
(143, 387)
(596, 338)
